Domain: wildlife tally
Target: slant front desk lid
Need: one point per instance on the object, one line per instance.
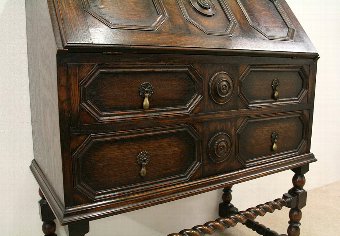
(191, 25)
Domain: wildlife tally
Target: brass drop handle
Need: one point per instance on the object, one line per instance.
(145, 91)
(275, 85)
(146, 103)
(275, 137)
(143, 159)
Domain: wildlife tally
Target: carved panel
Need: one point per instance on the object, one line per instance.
(219, 147)
(264, 139)
(213, 17)
(205, 7)
(266, 84)
(132, 14)
(221, 88)
(108, 165)
(268, 18)
(111, 93)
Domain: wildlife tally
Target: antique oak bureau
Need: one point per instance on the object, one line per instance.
(141, 102)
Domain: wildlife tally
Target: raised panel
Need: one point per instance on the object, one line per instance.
(213, 17)
(255, 138)
(268, 18)
(107, 165)
(132, 14)
(257, 84)
(110, 93)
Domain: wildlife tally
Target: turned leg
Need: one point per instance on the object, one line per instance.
(227, 209)
(79, 229)
(300, 199)
(46, 216)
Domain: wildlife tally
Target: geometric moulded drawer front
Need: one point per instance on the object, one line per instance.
(261, 85)
(265, 139)
(132, 14)
(110, 93)
(107, 165)
(268, 18)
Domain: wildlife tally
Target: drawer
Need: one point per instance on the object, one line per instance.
(261, 85)
(261, 140)
(125, 92)
(135, 161)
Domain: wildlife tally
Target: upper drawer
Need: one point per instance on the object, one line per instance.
(113, 93)
(266, 84)
(136, 160)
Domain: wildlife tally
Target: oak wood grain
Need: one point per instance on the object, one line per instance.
(100, 30)
(233, 87)
(42, 64)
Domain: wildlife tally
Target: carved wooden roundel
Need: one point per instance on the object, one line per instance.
(221, 88)
(219, 147)
(213, 17)
(205, 7)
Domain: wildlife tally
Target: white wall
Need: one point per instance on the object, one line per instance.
(18, 198)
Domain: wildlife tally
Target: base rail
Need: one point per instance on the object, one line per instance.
(244, 217)
(295, 199)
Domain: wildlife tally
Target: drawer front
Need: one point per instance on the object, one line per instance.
(261, 85)
(107, 165)
(261, 140)
(117, 91)
(112, 93)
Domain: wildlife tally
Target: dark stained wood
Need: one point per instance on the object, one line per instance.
(108, 164)
(216, 20)
(226, 208)
(230, 216)
(257, 84)
(111, 93)
(78, 229)
(219, 147)
(243, 217)
(295, 213)
(89, 211)
(138, 103)
(260, 228)
(126, 15)
(42, 63)
(49, 228)
(255, 138)
(47, 216)
(177, 24)
(268, 18)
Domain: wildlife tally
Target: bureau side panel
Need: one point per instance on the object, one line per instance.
(42, 69)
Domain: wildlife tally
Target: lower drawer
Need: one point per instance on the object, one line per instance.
(115, 164)
(134, 161)
(260, 140)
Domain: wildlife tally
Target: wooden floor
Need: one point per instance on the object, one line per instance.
(321, 217)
